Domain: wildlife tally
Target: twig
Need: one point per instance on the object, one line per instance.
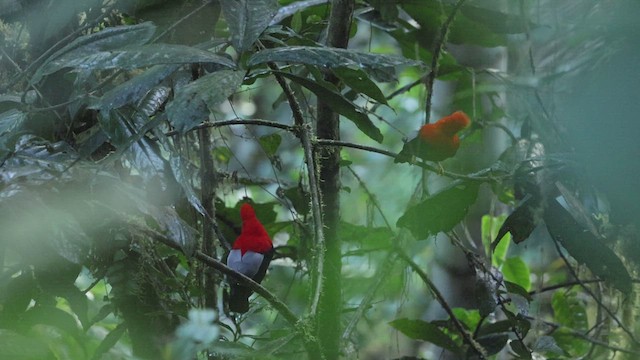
(259, 122)
(478, 176)
(441, 300)
(435, 58)
(579, 334)
(181, 20)
(593, 296)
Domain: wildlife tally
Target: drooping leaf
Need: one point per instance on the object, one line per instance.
(109, 341)
(182, 175)
(516, 270)
(585, 247)
(132, 90)
(53, 316)
(381, 66)
(358, 80)
(422, 330)
(521, 349)
(109, 39)
(440, 212)
(132, 57)
(247, 19)
(339, 104)
(492, 343)
(270, 143)
(193, 103)
(521, 222)
(517, 289)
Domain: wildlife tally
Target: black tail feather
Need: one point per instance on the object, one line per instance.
(239, 294)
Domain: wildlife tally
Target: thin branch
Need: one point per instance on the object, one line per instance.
(441, 300)
(593, 296)
(579, 334)
(479, 176)
(381, 276)
(304, 133)
(435, 59)
(259, 122)
(273, 300)
(181, 20)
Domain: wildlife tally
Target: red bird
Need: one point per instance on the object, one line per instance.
(436, 141)
(251, 254)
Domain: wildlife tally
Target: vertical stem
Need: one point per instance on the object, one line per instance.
(328, 127)
(207, 184)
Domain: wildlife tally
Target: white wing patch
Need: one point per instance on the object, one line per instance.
(249, 264)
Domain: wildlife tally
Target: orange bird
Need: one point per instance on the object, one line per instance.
(436, 141)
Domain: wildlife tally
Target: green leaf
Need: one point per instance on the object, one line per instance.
(109, 341)
(493, 343)
(585, 247)
(222, 154)
(193, 103)
(380, 66)
(49, 315)
(516, 270)
(489, 228)
(132, 57)
(183, 177)
(368, 237)
(134, 89)
(247, 19)
(521, 349)
(469, 317)
(517, 289)
(270, 143)
(11, 122)
(521, 222)
(109, 39)
(440, 212)
(19, 347)
(422, 330)
(359, 81)
(568, 310)
(339, 104)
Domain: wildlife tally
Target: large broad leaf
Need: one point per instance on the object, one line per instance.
(109, 341)
(585, 247)
(19, 347)
(132, 57)
(381, 66)
(422, 330)
(521, 222)
(183, 177)
(440, 212)
(339, 104)
(358, 80)
(105, 40)
(247, 19)
(516, 270)
(132, 90)
(193, 103)
(10, 122)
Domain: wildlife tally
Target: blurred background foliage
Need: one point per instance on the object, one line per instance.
(131, 130)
